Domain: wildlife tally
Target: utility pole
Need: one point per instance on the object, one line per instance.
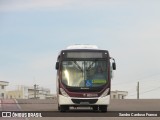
(35, 91)
(138, 90)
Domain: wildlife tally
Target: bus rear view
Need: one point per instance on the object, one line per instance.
(84, 78)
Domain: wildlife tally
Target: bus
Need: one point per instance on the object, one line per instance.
(84, 75)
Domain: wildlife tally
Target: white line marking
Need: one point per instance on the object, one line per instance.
(19, 108)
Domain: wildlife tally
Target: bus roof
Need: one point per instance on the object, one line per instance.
(82, 47)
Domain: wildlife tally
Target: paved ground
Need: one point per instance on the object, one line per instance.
(116, 105)
(135, 105)
(51, 105)
(10, 105)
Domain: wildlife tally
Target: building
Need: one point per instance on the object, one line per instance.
(3, 85)
(30, 92)
(36, 92)
(21, 92)
(118, 94)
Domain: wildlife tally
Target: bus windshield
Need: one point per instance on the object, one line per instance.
(84, 73)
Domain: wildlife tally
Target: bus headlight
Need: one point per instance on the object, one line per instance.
(63, 92)
(105, 93)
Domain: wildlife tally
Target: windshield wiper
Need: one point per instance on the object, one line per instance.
(90, 66)
(78, 66)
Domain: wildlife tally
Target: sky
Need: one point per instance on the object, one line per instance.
(32, 32)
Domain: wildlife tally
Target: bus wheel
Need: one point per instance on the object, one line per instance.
(103, 108)
(95, 108)
(63, 108)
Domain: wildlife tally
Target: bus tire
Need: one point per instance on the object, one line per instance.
(63, 108)
(103, 108)
(95, 107)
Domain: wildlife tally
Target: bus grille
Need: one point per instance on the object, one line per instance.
(89, 101)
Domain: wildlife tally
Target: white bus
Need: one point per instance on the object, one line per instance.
(84, 77)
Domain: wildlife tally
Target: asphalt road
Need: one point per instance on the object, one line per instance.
(10, 105)
(115, 108)
(115, 105)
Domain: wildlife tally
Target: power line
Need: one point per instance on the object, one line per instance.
(150, 90)
(145, 91)
(141, 79)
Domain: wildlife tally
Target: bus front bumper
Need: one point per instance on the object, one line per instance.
(63, 100)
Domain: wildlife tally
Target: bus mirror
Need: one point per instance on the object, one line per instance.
(57, 65)
(114, 66)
